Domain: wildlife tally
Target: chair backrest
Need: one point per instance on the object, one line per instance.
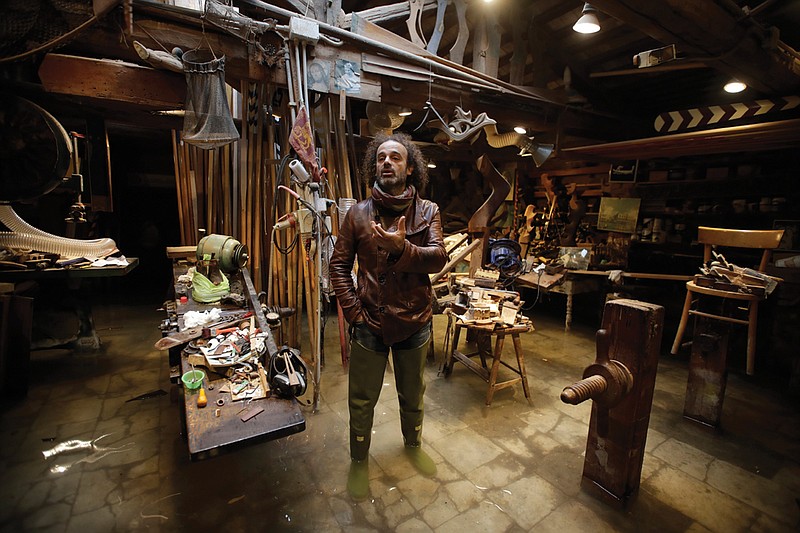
(766, 240)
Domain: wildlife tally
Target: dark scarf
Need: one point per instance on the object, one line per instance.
(395, 204)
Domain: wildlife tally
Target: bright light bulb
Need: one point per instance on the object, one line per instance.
(431, 165)
(587, 24)
(735, 86)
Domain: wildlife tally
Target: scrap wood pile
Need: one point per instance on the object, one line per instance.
(719, 274)
(481, 305)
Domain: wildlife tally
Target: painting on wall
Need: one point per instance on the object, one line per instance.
(347, 76)
(618, 214)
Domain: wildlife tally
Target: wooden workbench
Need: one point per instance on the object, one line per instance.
(221, 427)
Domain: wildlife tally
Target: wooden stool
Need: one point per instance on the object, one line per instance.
(484, 334)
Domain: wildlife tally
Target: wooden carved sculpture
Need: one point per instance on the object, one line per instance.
(478, 226)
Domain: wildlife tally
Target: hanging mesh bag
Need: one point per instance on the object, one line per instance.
(208, 122)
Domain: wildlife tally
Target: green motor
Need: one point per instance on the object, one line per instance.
(230, 254)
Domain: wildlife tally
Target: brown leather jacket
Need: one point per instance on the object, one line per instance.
(393, 294)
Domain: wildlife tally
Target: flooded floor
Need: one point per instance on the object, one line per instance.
(510, 467)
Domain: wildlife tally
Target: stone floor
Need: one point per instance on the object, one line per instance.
(513, 466)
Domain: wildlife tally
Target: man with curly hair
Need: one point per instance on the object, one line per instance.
(397, 238)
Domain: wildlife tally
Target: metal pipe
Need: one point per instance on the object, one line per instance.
(304, 57)
(299, 73)
(289, 84)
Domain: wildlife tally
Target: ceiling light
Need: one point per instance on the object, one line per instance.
(588, 22)
(404, 112)
(431, 165)
(521, 130)
(734, 86)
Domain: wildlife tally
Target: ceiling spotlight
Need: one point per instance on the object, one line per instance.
(734, 86)
(404, 112)
(431, 164)
(521, 130)
(588, 23)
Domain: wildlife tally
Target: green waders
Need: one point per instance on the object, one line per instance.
(367, 368)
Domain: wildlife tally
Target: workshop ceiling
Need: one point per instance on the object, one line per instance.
(714, 40)
(591, 75)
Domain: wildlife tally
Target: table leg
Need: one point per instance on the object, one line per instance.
(521, 363)
(568, 319)
(448, 365)
(498, 352)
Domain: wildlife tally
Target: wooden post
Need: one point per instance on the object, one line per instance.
(708, 372)
(617, 434)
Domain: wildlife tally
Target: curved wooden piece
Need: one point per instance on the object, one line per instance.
(414, 22)
(438, 29)
(500, 189)
(457, 51)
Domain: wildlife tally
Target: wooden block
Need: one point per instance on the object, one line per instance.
(250, 413)
(181, 252)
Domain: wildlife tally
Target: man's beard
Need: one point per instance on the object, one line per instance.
(393, 184)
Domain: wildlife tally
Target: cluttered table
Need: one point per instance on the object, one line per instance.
(237, 406)
(67, 279)
(571, 282)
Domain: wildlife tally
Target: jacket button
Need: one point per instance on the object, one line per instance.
(380, 309)
(381, 279)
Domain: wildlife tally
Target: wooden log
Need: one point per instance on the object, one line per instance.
(708, 372)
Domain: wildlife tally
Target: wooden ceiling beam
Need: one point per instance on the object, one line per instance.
(112, 80)
(748, 138)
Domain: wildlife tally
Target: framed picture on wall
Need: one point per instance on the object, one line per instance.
(623, 172)
(618, 214)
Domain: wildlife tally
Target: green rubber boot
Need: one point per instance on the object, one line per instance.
(421, 461)
(358, 480)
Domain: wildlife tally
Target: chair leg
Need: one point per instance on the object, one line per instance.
(752, 327)
(676, 345)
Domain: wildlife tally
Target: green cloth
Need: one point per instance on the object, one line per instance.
(204, 290)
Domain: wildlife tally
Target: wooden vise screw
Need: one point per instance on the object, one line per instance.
(606, 381)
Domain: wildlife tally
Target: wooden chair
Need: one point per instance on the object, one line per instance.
(766, 240)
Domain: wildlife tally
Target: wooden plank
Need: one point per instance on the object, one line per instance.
(366, 29)
(746, 138)
(113, 80)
